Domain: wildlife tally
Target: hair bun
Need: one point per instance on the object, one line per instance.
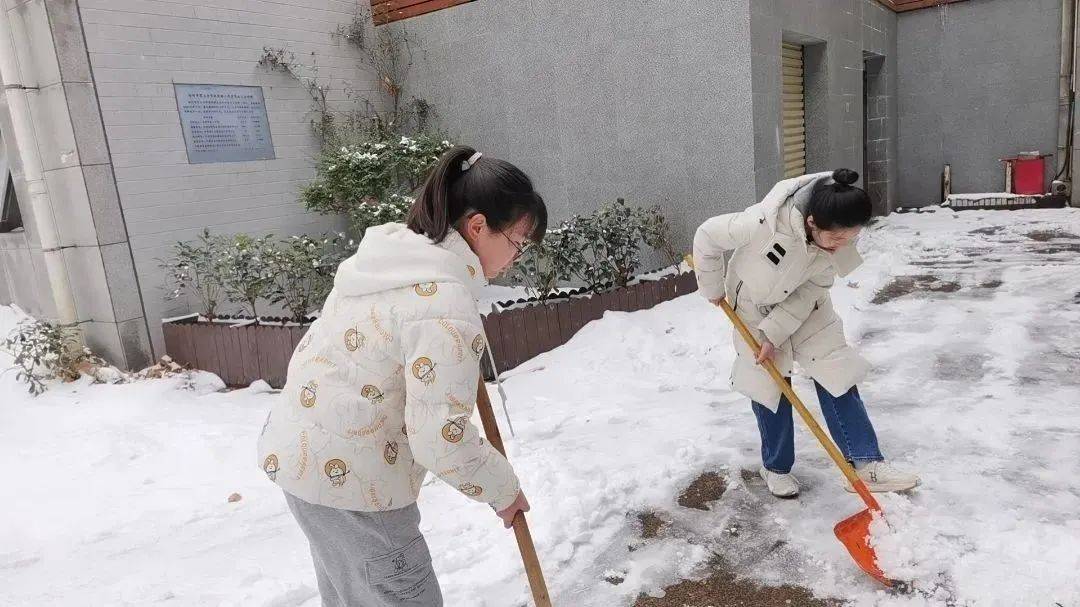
(845, 176)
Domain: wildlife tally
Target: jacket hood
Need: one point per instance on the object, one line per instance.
(392, 256)
(791, 197)
(797, 189)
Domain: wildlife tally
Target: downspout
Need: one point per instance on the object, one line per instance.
(1073, 155)
(1065, 93)
(26, 143)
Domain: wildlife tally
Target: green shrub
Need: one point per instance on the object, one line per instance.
(371, 180)
(248, 275)
(295, 273)
(366, 215)
(598, 250)
(303, 270)
(46, 351)
(197, 269)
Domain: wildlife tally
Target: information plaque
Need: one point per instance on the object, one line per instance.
(224, 123)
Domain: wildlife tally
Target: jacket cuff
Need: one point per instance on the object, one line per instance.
(710, 284)
(503, 502)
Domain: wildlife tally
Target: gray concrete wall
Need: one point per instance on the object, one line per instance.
(836, 34)
(599, 100)
(139, 48)
(978, 82)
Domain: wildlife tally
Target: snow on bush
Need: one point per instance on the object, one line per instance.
(369, 182)
(598, 250)
(295, 273)
(45, 351)
(302, 271)
(197, 270)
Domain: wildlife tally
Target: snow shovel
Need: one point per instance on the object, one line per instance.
(521, 527)
(854, 531)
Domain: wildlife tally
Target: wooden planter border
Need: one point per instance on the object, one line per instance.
(241, 355)
(238, 355)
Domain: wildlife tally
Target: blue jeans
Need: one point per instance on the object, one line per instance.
(846, 417)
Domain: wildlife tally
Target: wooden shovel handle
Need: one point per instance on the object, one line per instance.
(521, 526)
(834, 453)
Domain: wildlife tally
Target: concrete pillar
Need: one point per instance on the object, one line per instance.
(75, 201)
(24, 69)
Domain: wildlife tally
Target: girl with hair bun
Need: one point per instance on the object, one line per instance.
(785, 253)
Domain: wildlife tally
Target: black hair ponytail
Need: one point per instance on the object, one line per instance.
(495, 188)
(839, 204)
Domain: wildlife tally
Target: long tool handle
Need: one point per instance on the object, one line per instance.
(521, 527)
(834, 453)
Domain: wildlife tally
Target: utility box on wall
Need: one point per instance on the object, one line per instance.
(1028, 173)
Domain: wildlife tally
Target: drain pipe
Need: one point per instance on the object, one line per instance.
(1067, 157)
(1065, 86)
(26, 144)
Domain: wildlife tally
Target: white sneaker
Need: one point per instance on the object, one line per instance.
(780, 485)
(881, 477)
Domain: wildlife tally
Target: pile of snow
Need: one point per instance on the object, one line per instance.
(10, 317)
(120, 494)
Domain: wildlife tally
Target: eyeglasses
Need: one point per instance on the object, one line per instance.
(520, 248)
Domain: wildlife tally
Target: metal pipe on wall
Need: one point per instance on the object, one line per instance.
(1065, 84)
(1067, 163)
(25, 139)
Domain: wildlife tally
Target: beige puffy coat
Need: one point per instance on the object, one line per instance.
(780, 284)
(381, 389)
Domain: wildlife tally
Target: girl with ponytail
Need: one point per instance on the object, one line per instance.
(785, 252)
(381, 390)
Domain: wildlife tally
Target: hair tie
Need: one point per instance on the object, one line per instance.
(467, 164)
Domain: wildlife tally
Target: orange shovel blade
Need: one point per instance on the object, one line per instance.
(854, 533)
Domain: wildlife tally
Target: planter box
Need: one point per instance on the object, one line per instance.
(238, 355)
(243, 354)
(516, 335)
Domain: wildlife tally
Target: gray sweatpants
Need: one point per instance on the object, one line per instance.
(368, 559)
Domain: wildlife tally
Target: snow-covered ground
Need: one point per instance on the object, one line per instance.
(117, 495)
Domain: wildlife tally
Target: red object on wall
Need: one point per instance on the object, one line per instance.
(1028, 173)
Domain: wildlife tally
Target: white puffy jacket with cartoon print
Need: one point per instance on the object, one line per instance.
(381, 388)
(780, 284)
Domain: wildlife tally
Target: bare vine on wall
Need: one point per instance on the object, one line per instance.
(390, 53)
(283, 60)
(387, 52)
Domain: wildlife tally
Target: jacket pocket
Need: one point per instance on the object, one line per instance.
(404, 572)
